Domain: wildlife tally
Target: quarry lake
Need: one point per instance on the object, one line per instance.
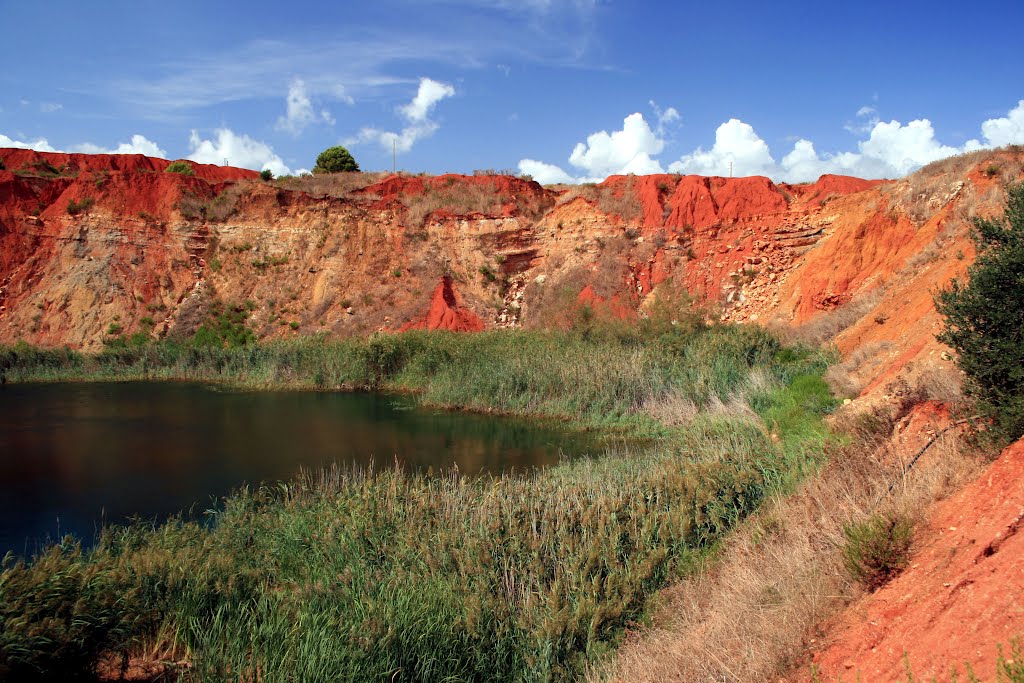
(74, 455)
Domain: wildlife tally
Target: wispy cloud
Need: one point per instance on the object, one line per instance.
(261, 69)
(363, 63)
(416, 115)
(299, 110)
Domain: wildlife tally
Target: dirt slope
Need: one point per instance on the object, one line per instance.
(963, 592)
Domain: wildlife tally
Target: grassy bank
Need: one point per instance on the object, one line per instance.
(393, 576)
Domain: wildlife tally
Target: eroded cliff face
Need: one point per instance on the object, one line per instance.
(92, 245)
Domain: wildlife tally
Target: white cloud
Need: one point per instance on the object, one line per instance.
(545, 174)
(890, 150)
(50, 107)
(623, 151)
(904, 148)
(40, 145)
(737, 144)
(416, 114)
(299, 110)
(868, 116)
(665, 117)
(603, 154)
(429, 94)
(1008, 130)
(139, 144)
(238, 150)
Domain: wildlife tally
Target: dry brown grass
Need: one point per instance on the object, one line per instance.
(465, 198)
(944, 384)
(623, 203)
(847, 379)
(932, 187)
(827, 326)
(340, 185)
(751, 614)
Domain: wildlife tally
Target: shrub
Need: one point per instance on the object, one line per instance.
(77, 207)
(266, 175)
(983, 317)
(225, 326)
(335, 160)
(877, 549)
(182, 167)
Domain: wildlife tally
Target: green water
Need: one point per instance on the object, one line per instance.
(73, 456)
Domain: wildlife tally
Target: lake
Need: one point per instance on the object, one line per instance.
(75, 455)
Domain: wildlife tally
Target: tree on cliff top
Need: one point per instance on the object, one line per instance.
(335, 160)
(985, 317)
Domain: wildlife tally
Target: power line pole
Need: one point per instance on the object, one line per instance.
(394, 153)
(730, 169)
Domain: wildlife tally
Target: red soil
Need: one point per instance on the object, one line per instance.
(962, 594)
(394, 187)
(445, 312)
(612, 307)
(830, 185)
(15, 159)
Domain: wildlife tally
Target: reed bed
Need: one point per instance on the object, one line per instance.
(389, 575)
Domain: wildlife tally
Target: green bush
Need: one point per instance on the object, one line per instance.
(266, 175)
(182, 167)
(335, 160)
(877, 549)
(80, 206)
(225, 327)
(984, 317)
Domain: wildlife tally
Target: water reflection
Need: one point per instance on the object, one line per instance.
(81, 452)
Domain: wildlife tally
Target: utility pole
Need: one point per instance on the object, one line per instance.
(730, 169)
(394, 152)
(225, 161)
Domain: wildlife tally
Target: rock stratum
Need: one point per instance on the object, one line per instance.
(90, 240)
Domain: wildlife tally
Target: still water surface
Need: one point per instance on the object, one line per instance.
(72, 455)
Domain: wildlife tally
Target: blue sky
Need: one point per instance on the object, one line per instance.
(567, 90)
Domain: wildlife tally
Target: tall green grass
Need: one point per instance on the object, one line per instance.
(350, 575)
(595, 379)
